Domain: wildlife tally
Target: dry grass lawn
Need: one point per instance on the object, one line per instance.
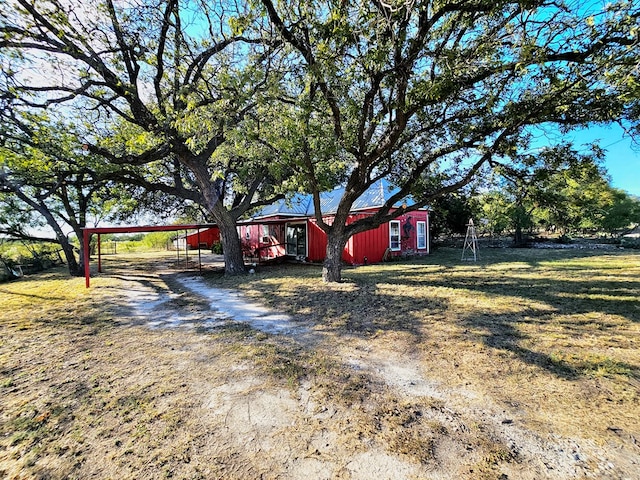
(523, 365)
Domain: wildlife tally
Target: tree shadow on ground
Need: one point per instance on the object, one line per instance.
(579, 306)
(576, 305)
(360, 311)
(373, 301)
(499, 332)
(20, 294)
(577, 292)
(563, 296)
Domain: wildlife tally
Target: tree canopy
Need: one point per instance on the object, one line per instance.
(556, 189)
(423, 86)
(44, 170)
(229, 105)
(178, 75)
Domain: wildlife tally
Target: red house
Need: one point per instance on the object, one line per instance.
(289, 228)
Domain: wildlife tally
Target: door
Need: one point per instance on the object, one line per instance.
(297, 240)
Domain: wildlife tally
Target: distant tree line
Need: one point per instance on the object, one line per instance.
(557, 191)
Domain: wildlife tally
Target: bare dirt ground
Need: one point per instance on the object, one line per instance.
(181, 379)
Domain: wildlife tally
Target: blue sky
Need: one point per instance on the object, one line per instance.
(622, 156)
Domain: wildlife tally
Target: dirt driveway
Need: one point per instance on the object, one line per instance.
(187, 380)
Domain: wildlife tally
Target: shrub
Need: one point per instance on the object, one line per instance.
(157, 240)
(216, 248)
(630, 242)
(564, 240)
(27, 257)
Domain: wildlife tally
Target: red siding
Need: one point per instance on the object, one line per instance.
(254, 244)
(317, 242)
(208, 237)
(371, 244)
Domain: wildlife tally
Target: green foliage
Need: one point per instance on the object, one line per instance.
(451, 214)
(620, 212)
(176, 106)
(217, 248)
(630, 242)
(47, 178)
(560, 190)
(258, 99)
(32, 256)
(299, 146)
(495, 211)
(557, 188)
(408, 86)
(129, 246)
(16, 217)
(126, 237)
(158, 240)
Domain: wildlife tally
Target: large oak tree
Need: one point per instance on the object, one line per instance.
(49, 183)
(181, 73)
(418, 87)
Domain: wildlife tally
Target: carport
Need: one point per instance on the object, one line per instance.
(87, 232)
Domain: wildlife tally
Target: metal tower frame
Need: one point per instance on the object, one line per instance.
(470, 242)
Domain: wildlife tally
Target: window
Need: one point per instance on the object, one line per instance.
(421, 233)
(265, 233)
(394, 235)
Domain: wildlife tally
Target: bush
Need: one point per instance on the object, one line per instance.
(32, 257)
(216, 248)
(158, 240)
(130, 246)
(630, 242)
(564, 240)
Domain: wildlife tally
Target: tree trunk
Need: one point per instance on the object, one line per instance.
(231, 246)
(518, 238)
(75, 269)
(332, 268)
(520, 219)
(213, 197)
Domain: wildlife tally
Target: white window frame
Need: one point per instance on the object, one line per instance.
(398, 247)
(265, 236)
(421, 237)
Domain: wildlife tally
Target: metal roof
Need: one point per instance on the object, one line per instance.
(301, 205)
(297, 206)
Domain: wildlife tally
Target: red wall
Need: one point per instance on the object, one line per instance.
(408, 232)
(371, 244)
(208, 236)
(253, 244)
(317, 242)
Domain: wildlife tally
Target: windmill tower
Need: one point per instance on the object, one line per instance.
(470, 243)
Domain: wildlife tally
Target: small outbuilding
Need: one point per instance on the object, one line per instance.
(200, 239)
